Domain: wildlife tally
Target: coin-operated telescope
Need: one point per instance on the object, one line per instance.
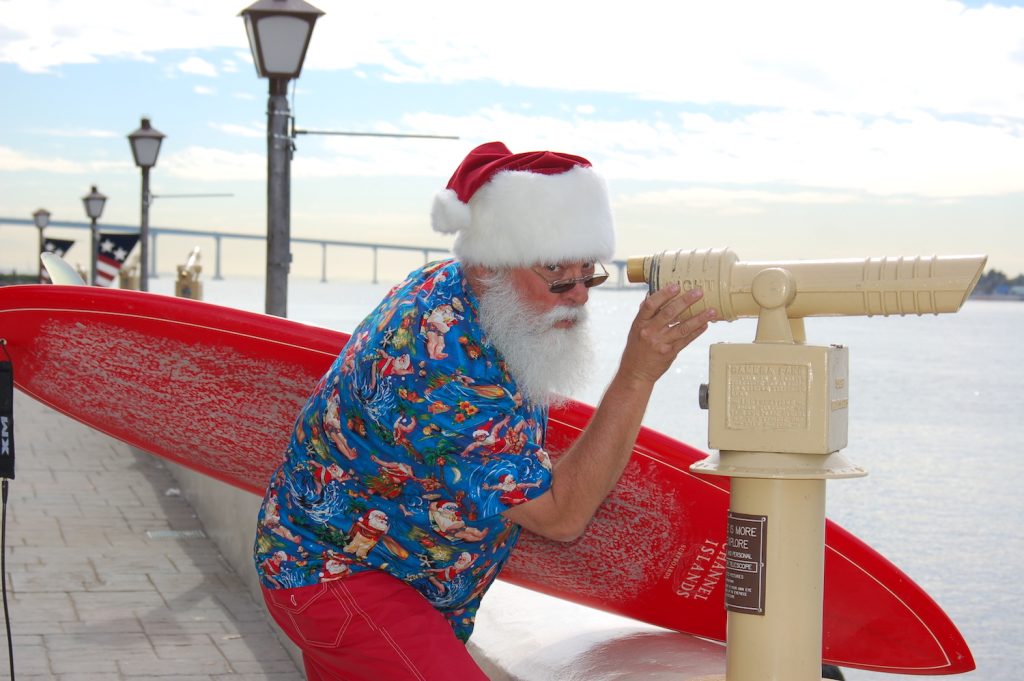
(777, 416)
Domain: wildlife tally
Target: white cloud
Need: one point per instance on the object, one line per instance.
(745, 163)
(198, 67)
(50, 33)
(869, 56)
(78, 133)
(723, 200)
(785, 149)
(206, 164)
(204, 90)
(251, 131)
(12, 160)
(857, 56)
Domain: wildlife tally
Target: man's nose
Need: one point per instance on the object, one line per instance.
(578, 294)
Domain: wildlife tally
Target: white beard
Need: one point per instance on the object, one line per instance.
(547, 363)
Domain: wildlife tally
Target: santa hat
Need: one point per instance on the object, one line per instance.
(485, 429)
(518, 210)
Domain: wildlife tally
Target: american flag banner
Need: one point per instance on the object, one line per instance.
(113, 251)
(58, 247)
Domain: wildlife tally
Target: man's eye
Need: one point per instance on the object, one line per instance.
(553, 268)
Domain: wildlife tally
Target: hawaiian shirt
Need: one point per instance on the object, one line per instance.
(406, 454)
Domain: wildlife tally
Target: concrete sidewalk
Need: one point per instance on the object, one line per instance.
(110, 573)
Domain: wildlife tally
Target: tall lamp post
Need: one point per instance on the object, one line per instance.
(279, 33)
(42, 218)
(145, 147)
(94, 202)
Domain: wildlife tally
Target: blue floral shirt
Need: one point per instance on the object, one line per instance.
(406, 454)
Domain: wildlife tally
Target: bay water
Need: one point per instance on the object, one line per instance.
(936, 416)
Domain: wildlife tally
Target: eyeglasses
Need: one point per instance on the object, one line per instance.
(588, 280)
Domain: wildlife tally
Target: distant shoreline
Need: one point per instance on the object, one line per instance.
(996, 296)
(16, 279)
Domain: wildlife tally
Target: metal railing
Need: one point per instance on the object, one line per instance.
(219, 236)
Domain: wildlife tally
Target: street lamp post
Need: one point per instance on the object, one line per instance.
(94, 202)
(42, 218)
(279, 33)
(145, 144)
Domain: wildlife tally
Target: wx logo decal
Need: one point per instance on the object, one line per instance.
(5, 437)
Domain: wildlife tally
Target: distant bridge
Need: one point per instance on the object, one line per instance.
(219, 236)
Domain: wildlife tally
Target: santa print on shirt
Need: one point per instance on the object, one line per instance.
(406, 454)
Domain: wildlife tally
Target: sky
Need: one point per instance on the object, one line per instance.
(782, 130)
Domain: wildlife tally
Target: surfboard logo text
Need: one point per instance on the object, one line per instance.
(704, 574)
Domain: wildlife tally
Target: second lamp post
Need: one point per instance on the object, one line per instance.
(145, 147)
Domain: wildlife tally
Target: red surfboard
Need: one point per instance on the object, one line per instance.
(217, 389)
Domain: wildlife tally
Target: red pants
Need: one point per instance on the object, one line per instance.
(370, 627)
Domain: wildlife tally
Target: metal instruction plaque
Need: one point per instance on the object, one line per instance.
(746, 545)
(768, 396)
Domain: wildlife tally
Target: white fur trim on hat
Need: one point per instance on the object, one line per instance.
(448, 215)
(521, 218)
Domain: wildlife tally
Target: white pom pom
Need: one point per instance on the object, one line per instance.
(449, 215)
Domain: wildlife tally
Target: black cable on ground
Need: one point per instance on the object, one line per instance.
(6, 474)
(3, 572)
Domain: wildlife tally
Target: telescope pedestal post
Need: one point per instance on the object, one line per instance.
(776, 394)
(775, 571)
(785, 641)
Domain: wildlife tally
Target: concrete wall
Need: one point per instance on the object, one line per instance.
(229, 518)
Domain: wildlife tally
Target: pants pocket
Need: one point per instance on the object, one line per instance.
(319, 617)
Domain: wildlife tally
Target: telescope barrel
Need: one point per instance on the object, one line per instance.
(848, 287)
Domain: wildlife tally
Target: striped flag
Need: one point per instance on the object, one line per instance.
(58, 247)
(113, 251)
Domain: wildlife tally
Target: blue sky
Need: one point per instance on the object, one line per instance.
(780, 129)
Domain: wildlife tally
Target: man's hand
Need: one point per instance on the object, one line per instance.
(657, 335)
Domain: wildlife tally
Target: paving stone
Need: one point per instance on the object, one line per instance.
(100, 586)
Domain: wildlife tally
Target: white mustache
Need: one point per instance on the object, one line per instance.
(565, 313)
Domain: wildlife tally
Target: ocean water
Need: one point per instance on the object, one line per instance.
(936, 416)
